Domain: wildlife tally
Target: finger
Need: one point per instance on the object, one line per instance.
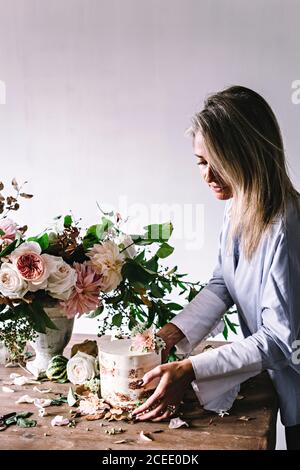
(166, 415)
(151, 400)
(151, 375)
(153, 413)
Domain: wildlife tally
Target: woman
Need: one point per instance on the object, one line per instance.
(239, 148)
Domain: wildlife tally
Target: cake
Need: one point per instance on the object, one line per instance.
(122, 366)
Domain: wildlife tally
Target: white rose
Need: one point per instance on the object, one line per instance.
(62, 280)
(107, 260)
(126, 244)
(11, 283)
(80, 368)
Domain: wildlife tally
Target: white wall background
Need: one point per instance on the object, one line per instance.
(99, 93)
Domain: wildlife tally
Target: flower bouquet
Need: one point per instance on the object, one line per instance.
(101, 271)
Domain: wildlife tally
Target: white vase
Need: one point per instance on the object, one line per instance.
(53, 342)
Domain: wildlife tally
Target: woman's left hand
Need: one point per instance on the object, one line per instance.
(175, 377)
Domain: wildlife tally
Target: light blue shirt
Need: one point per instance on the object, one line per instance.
(266, 291)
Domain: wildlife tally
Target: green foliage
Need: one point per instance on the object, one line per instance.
(42, 240)
(96, 233)
(68, 221)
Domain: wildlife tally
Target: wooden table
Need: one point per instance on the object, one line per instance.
(207, 430)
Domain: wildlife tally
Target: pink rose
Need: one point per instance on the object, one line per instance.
(31, 266)
(9, 227)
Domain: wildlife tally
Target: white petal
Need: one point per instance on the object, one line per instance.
(42, 402)
(22, 380)
(7, 390)
(59, 421)
(176, 423)
(14, 376)
(42, 390)
(145, 438)
(25, 399)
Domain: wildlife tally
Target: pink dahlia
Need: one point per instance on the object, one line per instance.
(144, 342)
(85, 296)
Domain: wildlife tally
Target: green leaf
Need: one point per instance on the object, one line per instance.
(39, 318)
(156, 291)
(59, 401)
(174, 306)
(192, 294)
(164, 251)
(9, 248)
(42, 240)
(95, 233)
(152, 264)
(151, 315)
(26, 423)
(140, 257)
(225, 331)
(117, 319)
(166, 284)
(1, 232)
(68, 221)
(231, 325)
(72, 400)
(24, 414)
(134, 272)
(96, 312)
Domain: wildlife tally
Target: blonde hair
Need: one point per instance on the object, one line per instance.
(246, 150)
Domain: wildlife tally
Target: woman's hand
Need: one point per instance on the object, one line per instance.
(171, 335)
(175, 377)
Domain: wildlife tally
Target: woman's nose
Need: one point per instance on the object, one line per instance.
(208, 175)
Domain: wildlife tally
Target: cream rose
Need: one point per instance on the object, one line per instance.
(11, 283)
(62, 280)
(80, 368)
(33, 266)
(107, 260)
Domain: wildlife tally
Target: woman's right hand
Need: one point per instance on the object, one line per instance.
(171, 335)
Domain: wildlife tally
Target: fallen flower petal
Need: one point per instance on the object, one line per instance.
(59, 421)
(22, 380)
(41, 390)
(176, 423)
(42, 402)
(245, 418)
(7, 390)
(144, 437)
(25, 399)
(14, 376)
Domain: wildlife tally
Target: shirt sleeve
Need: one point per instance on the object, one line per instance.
(203, 313)
(271, 347)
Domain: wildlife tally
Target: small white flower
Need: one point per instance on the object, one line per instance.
(80, 368)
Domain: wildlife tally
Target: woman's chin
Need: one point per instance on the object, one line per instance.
(222, 195)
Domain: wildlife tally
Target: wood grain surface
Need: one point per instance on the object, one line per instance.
(206, 430)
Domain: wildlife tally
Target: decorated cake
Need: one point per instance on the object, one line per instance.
(123, 363)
